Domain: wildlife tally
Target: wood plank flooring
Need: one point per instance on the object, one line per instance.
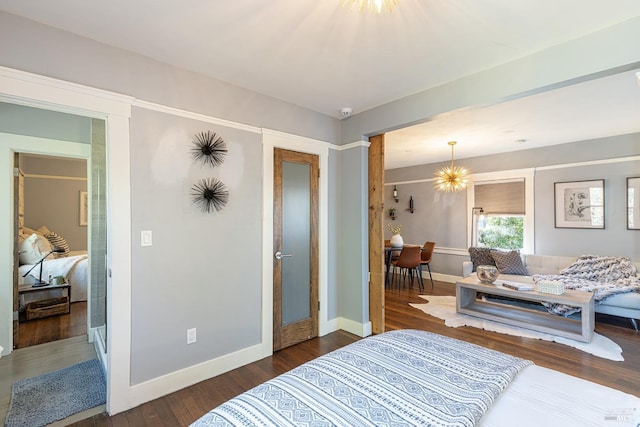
(185, 406)
(47, 329)
(46, 345)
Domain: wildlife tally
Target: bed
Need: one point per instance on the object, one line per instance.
(74, 268)
(72, 265)
(415, 378)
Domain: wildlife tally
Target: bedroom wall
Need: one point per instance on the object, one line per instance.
(54, 201)
(442, 217)
(206, 281)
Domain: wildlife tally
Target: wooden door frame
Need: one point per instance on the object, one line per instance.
(281, 155)
(376, 233)
(270, 140)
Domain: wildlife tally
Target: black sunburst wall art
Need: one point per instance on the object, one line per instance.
(210, 194)
(209, 148)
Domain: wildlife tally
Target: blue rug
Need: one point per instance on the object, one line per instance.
(50, 397)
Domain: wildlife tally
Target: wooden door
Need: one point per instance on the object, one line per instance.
(295, 248)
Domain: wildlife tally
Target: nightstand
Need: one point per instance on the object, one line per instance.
(44, 301)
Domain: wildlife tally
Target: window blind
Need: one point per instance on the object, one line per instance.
(500, 197)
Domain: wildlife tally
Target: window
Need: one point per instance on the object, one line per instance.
(502, 224)
(499, 217)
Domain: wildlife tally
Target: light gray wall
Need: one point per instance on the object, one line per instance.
(55, 53)
(203, 270)
(604, 52)
(442, 217)
(354, 235)
(55, 202)
(22, 120)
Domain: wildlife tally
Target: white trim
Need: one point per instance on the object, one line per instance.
(411, 181)
(9, 144)
(195, 116)
(351, 145)
(21, 87)
(177, 380)
(43, 92)
(60, 177)
(529, 181)
(356, 328)
(270, 140)
(451, 251)
(590, 163)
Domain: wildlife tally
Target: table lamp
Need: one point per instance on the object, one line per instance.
(40, 282)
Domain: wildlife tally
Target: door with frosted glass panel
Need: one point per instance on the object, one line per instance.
(295, 248)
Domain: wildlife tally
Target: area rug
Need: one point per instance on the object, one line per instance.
(444, 307)
(50, 397)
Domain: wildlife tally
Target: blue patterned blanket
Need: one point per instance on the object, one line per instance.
(399, 378)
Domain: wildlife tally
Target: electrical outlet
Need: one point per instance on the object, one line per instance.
(191, 335)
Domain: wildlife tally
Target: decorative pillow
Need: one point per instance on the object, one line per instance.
(57, 241)
(43, 230)
(509, 262)
(33, 248)
(480, 256)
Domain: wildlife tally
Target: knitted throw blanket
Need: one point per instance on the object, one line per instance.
(604, 276)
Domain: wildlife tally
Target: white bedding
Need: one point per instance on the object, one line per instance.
(415, 378)
(543, 397)
(73, 268)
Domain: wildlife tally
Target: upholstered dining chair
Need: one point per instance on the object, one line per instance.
(425, 258)
(409, 263)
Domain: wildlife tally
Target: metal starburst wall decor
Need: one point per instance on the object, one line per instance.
(209, 148)
(210, 194)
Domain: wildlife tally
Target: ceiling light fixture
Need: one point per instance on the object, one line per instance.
(451, 178)
(375, 6)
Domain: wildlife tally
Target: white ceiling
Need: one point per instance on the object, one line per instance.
(323, 56)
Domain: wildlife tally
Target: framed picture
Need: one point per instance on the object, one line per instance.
(84, 208)
(579, 204)
(633, 203)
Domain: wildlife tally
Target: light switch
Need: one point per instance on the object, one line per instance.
(146, 238)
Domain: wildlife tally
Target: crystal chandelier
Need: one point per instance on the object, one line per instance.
(375, 6)
(451, 178)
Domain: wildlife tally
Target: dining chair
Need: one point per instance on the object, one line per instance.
(425, 258)
(394, 254)
(409, 263)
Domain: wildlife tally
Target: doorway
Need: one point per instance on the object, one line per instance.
(47, 204)
(295, 247)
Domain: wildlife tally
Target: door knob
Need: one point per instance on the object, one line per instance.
(279, 255)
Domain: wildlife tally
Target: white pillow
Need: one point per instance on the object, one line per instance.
(33, 248)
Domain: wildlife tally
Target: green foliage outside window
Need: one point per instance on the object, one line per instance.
(502, 232)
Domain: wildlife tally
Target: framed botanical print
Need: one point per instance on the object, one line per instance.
(633, 203)
(579, 204)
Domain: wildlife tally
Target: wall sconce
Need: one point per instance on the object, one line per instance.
(395, 193)
(474, 223)
(410, 204)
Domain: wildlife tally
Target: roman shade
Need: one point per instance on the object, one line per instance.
(500, 198)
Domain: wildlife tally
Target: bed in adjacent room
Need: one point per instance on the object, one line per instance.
(416, 378)
(71, 265)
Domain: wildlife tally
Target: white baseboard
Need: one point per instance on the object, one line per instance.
(359, 329)
(174, 381)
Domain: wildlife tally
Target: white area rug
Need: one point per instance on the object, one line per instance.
(444, 307)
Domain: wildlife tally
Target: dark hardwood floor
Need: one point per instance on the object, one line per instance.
(47, 329)
(185, 406)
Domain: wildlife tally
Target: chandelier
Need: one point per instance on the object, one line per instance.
(451, 178)
(372, 5)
